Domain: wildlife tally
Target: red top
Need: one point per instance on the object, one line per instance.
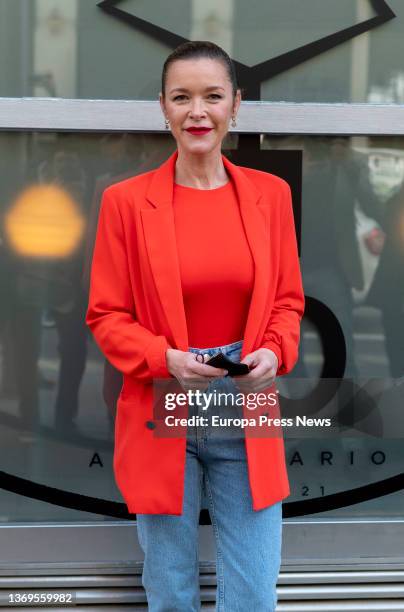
(216, 265)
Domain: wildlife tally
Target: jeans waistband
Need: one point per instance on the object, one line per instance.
(224, 348)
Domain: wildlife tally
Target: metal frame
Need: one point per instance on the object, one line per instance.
(327, 540)
(102, 563)
(56, 114)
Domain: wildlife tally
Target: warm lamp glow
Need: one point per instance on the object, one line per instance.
(44, 221)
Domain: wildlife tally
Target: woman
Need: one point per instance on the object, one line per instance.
(196, 257)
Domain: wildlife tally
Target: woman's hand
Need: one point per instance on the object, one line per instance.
(190, 373)
(264, 364)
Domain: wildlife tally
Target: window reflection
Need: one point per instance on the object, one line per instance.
(58, 393)
(349, 192)
(63, 49)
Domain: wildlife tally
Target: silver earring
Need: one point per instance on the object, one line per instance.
(233, 121)
(167, 122)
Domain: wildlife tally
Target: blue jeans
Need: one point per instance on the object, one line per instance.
(248, 542)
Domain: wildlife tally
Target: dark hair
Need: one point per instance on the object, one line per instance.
(196, 49)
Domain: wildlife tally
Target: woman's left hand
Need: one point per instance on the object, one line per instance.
(264, 364)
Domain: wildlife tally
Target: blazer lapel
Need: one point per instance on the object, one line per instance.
(160, 239)
(159, 230)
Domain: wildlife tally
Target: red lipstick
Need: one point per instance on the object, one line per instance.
(198, 131)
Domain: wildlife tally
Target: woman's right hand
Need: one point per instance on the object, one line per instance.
(190, 373)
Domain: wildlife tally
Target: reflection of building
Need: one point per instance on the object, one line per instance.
(386, 170)
(74, 50)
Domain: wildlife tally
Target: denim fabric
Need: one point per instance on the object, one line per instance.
(248, 542)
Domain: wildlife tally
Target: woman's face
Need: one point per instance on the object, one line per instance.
(199, 95)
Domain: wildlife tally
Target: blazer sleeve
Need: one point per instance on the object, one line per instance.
(283, 330)
(130, 347)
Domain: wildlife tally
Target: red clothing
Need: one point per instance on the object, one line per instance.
(136, 312)
(216, 265)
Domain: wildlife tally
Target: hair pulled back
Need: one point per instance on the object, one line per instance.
(197, 49)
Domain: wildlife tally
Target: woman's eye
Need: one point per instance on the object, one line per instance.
(181, 97)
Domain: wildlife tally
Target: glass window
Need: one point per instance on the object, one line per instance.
(58, 393)
(346, 51)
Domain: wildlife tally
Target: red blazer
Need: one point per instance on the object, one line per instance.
(136, 312)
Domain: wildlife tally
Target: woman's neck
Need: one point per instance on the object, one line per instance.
(200, 171)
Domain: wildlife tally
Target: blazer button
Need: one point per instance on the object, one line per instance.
(150, 425)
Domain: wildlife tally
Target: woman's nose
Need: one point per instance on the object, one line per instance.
(197, 108)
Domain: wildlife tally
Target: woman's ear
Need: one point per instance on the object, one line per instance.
(162, 104)
(237, 102)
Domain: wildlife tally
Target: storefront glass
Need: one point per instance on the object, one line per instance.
(345, 51)
(57, 401)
